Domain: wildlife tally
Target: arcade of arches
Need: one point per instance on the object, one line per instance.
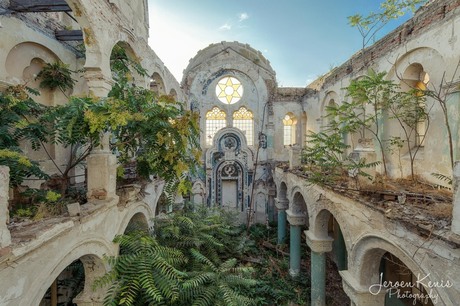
(252, 132)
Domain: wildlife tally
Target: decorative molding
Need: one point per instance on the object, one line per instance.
(296, 219)
(281, 204)
(318, 245)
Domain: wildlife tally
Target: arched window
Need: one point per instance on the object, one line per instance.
(415, 78)
(289, 123)
(243, 120)
(215, 120)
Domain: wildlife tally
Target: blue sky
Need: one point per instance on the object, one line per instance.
(302, 39)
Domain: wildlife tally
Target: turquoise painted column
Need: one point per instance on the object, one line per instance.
(296, 222)
(281, 226)
(318, 247)
(281, 205)
(294, 251)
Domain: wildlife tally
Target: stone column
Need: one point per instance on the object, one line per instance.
(294, 156)
(456, 210)
(281, 205)
(102, 172)
(361, 295)
(296, 222)
(318, 267)
(94, 269)
(99, 82)
(271, 203)
(5, 236)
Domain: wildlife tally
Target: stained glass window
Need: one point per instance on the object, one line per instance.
(215, 120)
(229, 90)
(243, 120)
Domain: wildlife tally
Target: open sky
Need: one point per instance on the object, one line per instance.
(302, 39)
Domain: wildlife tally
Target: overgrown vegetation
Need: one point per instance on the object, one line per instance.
(155, 132)
(201, 257)
(373, 102)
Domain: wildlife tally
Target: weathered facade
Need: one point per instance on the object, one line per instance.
(248, 125)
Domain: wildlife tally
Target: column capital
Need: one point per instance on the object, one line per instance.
(281, 204)
(360, 295)
(318, 245)
(296, 219)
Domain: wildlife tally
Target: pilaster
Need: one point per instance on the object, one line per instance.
(102, 171)
(294, 156)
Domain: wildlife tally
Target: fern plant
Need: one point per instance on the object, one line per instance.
(145, 273)
(183, 263)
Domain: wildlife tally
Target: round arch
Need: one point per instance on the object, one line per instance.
(429, 58)
(89, 250)
(282, 191)
(367, 254)
(142, 213)
(298, 205)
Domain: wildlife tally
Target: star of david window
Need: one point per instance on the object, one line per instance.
(229, 90)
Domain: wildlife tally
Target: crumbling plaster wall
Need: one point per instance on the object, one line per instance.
(39, 251)
(366, 230)
(429, 39)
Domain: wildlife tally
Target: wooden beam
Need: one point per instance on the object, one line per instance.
(32, 6)
(72, 35)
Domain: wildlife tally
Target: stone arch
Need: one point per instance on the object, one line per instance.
(282, 193)
(327, 224)
(137, 222)
(141, 213)
(132, 55)
(90, 251)
(173, 93)
(330, 99)
(260, 207)
(429, 58)
(23, 54)
(23, 63)
(298, 205)
(367, 255)
(157, 85)
(198, 194)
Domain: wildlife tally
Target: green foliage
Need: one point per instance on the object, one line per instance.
(324, 157)
(183, 263)
(158, 132)
(368, 26)
(20, 121)
(371, 97)
(123, 65)
(409, 109)
(144, 272)
(56, 75)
